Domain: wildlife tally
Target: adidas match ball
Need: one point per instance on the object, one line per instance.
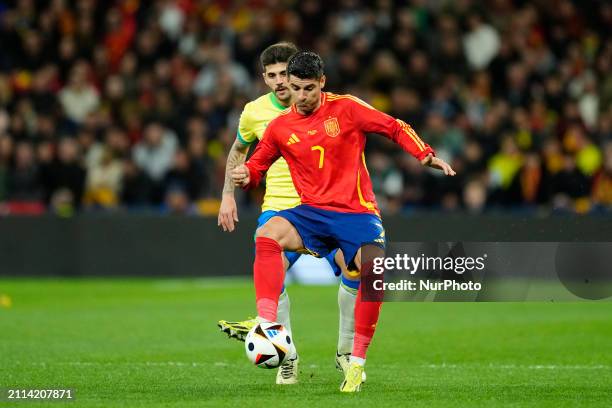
(268, 345)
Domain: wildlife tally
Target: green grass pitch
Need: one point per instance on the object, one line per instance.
(154, 343)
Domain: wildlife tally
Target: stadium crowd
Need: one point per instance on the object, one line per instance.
(132, 104)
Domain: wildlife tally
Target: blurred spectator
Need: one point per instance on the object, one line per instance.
(177, 201)
(221, 72)
(65, 178)
(200, 166)
(24, 183)
(171, 18)
(120, 30)
(103, 184)
(570, 182)
(117, 141)
(602, 185)
(92, 150)
(155, 154)
(406, 105)
(503, 167)
(134, 104)
(448, 140)
(387, 181)
(481, 43)
(475, 197)
(6, 152)
(183, 176)
(137, 187)
(79, 97)
(530, 183)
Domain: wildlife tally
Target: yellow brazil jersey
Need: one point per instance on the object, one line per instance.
(280, 192)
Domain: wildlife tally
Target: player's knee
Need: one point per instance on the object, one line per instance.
(281, 231)
(268, 231)
(365, 255)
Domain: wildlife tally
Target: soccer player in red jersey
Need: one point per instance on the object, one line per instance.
(322, 138)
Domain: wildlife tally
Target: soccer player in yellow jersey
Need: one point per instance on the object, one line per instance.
(280, 195)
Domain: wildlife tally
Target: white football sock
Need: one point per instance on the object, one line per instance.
(358, 360)
(283, 317)
(282, 314)
(346, 329)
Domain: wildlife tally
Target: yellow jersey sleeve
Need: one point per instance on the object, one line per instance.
(280, 192)
(246, 125)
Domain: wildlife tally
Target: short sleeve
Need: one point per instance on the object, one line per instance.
(246, 129)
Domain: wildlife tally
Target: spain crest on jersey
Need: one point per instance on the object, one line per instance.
(332, 127)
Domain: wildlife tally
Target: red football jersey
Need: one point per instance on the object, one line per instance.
(324, 151)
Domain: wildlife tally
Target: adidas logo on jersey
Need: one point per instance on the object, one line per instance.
(293, 139)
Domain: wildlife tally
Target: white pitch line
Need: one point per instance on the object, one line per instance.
(522, 367)
(226, 364)
(122, 363)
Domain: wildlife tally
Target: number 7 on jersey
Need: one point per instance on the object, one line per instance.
(321, 150)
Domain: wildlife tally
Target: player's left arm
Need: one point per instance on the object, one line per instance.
(435, 162)
(374, 121)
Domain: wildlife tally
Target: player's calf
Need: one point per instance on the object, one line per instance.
(347, 295)
(268, 271)
(366, 312)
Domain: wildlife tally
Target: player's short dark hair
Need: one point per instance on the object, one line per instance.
(277, 53)
(305, 65)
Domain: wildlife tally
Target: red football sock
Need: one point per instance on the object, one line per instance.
(269, 274)
(366, 317)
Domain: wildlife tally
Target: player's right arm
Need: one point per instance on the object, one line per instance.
(228, 211)
(249, 175)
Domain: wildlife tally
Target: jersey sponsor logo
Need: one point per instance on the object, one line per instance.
(293, 139)
(332, 127)
(312, 132)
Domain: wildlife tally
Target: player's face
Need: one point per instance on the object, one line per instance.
(275, 76)
(306, 93)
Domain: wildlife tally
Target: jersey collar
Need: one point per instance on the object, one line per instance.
(276, 102)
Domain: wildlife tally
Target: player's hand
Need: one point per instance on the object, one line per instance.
(437, 163)
(228, 213)
(240, 176)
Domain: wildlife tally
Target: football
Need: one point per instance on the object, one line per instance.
(268, 345)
